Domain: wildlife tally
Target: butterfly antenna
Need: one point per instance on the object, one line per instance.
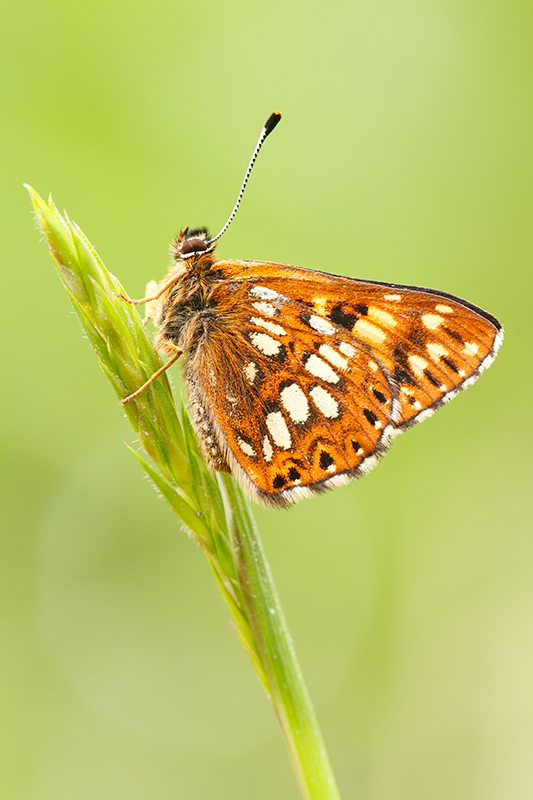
(268, 127)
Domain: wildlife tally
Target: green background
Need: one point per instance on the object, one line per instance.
(404, 155)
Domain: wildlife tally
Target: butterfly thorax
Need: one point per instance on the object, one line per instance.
(186, 310)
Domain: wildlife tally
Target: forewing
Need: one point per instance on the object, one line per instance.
(429, 344)
(308, 375)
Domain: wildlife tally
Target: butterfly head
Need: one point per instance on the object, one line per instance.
(190, 244)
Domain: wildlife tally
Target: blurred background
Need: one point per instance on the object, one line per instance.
(404, 155)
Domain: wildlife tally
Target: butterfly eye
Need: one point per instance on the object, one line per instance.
(193, 245)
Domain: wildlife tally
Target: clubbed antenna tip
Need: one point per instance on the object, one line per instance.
(268, 127)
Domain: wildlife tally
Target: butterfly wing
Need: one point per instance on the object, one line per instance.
(293, 409)
(306, 376)
(430, 344)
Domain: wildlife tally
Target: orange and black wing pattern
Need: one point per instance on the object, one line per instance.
(309, 375)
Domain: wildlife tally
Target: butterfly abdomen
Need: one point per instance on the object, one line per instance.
(205, 428)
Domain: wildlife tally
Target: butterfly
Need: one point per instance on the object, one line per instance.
(297, 379)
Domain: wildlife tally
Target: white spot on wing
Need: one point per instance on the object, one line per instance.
(368, 332)
(278, 429)
(265, 343)
(320, 369)
(432, 321)
(295, 402)
(470, 348)
(332, 356)
(270, 326)
(265, 308)
(325, 402)
(436, 350)
(394, 298)
(250, 372)
(267, 449)
(382, 317)
(347, 349)
(418, 364)
(263, 292)
(444, 309)
(320, 305)
(321, 325)
(246, 448)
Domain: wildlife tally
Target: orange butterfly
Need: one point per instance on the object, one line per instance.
(297, 379)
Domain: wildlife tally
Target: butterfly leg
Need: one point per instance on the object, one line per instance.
(156, 295)
(177, 353)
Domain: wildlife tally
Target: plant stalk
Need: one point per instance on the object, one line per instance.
(214, 511)
(288, 693)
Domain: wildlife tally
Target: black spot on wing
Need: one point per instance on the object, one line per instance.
(346, 315)
(281, 355)
(449, 363)
(270, 406)
(454, 334)
(432, 379)
(402, 372)
(371, 417)
(325, 460)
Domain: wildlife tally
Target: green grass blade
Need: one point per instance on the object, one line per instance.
(214, 510)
